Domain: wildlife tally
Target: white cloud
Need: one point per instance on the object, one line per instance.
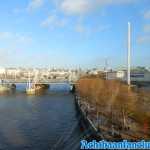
(54, 21)
(147, 28)
(145, 39)
(91, 29)
(15, 38)
(34, 4)
(79, 7)
(147, 14)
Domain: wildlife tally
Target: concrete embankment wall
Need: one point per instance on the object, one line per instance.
(91, 130)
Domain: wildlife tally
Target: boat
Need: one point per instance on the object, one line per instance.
(30, 90)
(72, 88)
(43, 86)
(34, 87)
(6, 87)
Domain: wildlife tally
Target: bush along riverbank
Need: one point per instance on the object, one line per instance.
(113, 109)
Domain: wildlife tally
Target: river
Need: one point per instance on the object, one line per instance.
(42, 122)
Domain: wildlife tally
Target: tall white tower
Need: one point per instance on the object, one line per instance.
(129, 53)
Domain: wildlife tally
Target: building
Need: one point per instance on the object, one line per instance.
(116, 75)
(135, 76)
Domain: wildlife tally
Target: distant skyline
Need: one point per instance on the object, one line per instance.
(73, 33)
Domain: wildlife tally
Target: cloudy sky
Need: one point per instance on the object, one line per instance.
(73, 33)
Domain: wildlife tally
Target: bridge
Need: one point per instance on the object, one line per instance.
(50, 81)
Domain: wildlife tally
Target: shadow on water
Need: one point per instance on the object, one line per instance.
(39, 122)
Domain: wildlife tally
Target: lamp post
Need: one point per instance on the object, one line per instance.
(129, 54)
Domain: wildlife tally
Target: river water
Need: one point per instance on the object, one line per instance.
(42, 122)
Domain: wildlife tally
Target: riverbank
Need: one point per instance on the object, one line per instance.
(115, 110)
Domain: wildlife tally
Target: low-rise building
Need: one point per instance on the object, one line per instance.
(135, 76)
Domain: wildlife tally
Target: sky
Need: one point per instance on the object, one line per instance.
(73, 33)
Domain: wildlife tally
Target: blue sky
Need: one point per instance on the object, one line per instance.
(73, 33)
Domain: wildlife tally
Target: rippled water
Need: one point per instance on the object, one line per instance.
(41, 122)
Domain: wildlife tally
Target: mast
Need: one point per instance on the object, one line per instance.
(29, 81)
(129, 54)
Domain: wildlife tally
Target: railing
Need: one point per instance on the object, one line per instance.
(52, 81)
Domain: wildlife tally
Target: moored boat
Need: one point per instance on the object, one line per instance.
(30, 91)
(42, 86)
(72, 88)
(34, 87)
(6, 87)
